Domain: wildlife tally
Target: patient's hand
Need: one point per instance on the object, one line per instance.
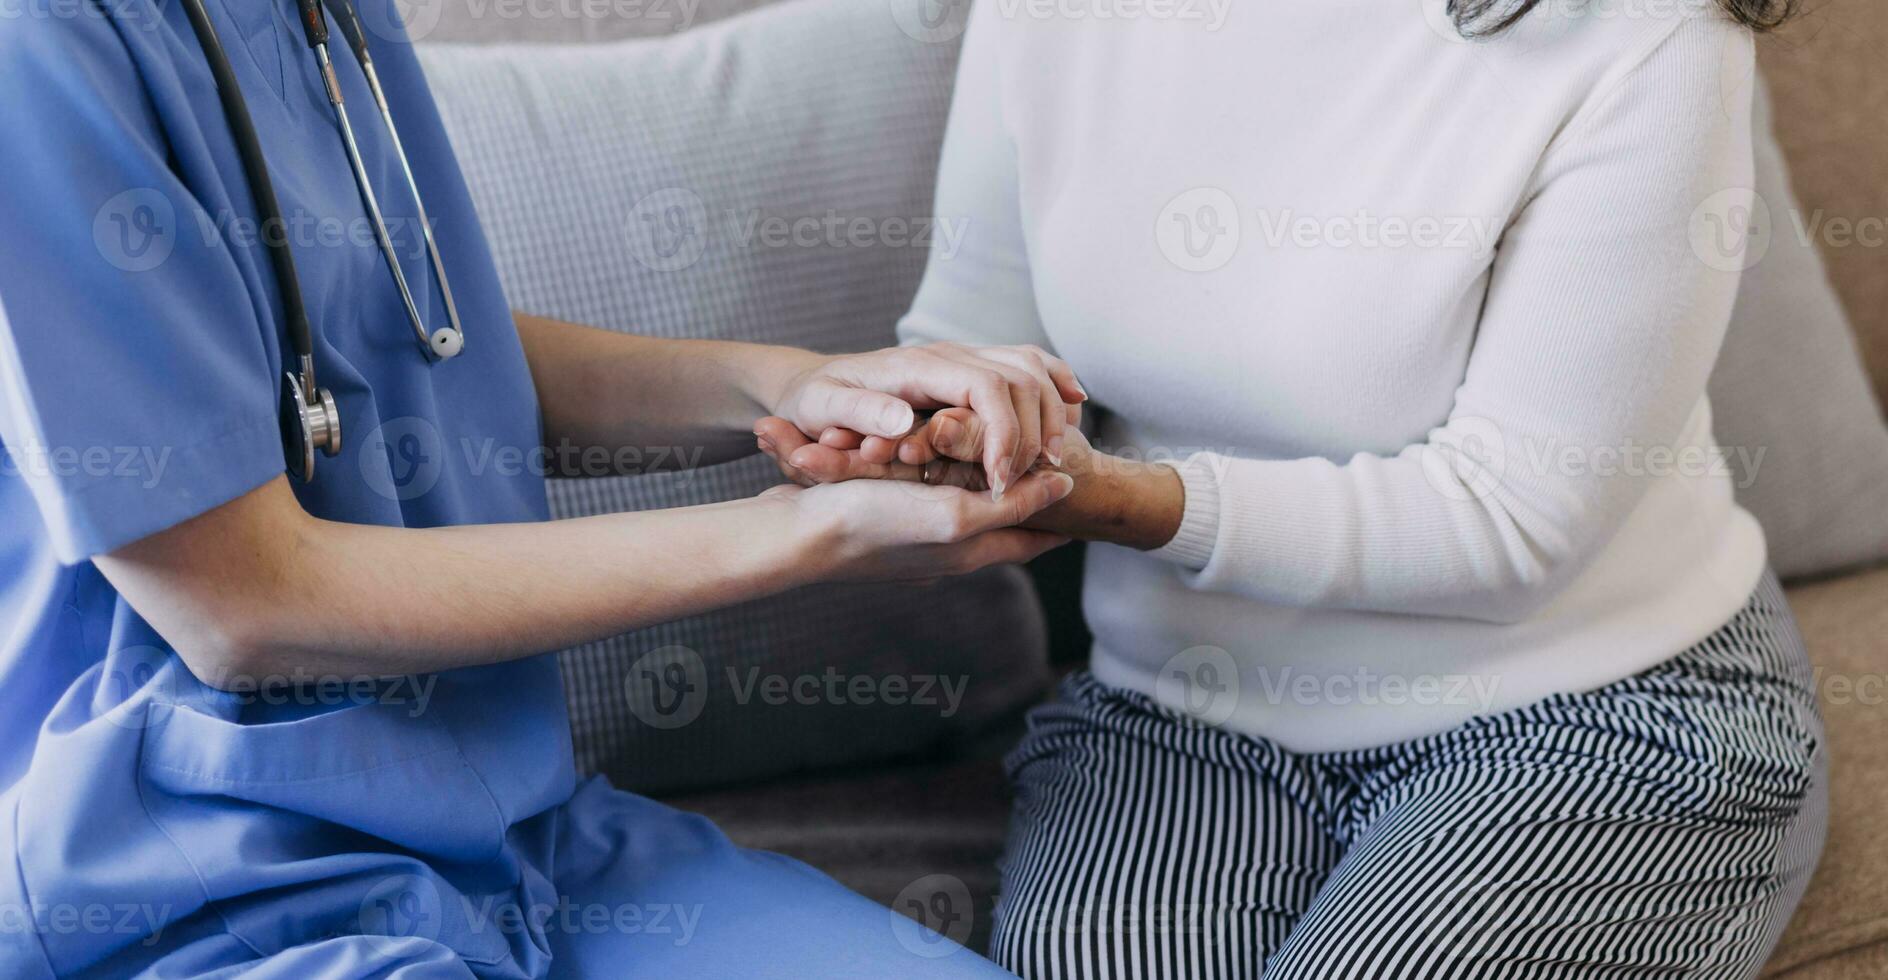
(1126, 502)
(941, 451)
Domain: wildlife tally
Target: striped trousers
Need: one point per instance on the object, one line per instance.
(1661, 826)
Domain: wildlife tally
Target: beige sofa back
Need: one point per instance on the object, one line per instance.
(1829, 75)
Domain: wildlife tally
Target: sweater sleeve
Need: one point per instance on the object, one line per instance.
(1607, 302)
(981, 293)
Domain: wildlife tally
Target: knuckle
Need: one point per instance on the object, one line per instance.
(946, 523)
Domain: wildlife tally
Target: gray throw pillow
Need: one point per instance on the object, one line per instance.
(766, 178)
(1793, 407)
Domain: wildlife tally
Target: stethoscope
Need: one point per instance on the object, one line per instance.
(310, 420)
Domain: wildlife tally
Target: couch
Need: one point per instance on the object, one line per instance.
(886, 827)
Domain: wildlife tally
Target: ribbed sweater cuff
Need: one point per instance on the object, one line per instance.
(1192, 546)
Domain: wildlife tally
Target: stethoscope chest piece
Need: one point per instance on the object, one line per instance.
(308, 424)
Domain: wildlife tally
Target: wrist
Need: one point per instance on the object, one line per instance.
(1117, 501)
(772, 373)
(815, 545)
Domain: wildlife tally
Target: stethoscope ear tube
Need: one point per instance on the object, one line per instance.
(315, 422)
(310, 420)
(446, 342)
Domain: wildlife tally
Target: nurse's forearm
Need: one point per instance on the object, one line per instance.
(257, 588)
(621, 403)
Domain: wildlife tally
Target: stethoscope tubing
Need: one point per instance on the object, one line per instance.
(256, 167)
(368, 199)
(310, 419)
(350, 25)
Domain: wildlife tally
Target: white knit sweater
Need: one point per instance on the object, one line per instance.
(1424, 324)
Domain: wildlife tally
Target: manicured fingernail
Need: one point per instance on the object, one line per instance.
(996, 486)
(1064, 485)
(1053, 451)
(896, 419)
(1081, 390)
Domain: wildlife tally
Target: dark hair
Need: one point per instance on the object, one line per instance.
(1486, 18)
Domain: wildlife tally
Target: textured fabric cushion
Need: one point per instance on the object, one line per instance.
(561, 21)
(1831, 86)
(762, 179)
(1841, 929)
(1793, 406)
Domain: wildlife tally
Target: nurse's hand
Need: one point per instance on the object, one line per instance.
(878, 530)
(1020, 394)
(1120, 501)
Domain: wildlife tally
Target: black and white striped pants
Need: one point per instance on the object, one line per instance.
(1661, 826)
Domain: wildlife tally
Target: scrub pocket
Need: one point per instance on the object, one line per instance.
(363, 820)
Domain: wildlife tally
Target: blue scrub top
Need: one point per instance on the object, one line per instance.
(141, 358)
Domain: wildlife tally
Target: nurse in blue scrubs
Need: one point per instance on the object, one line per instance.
(254, 725)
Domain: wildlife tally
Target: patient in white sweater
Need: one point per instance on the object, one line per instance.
(1436, 645)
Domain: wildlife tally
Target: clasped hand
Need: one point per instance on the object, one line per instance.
(929, 460)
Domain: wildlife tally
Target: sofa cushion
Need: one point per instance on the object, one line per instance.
(1842, 925)
(934, 829)
(1831, 89)
(1793, 406)
(765, 179)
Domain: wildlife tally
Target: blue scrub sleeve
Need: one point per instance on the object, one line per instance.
(137, 378)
